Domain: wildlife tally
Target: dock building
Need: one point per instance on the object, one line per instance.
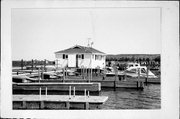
(80, 57)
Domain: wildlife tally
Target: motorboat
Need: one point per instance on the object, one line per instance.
(131, 64)
(132, 71)
(22, 79)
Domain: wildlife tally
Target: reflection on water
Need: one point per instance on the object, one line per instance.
(149, 98)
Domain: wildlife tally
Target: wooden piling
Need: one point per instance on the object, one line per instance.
(22, 64)
(91, 74)
(35, 63)
(45, 65)
(125, 76)
(56, 64)
(40, 93)
(88, 72)
(114, 85)
(88, 94)
(85, 93)
(32, 64)
(142, 85)
(137, 85)
(138, 77)
(69, 92)
(41, 104)
(63, 75)
(46, 92)
(24, 106)
(74, 92)
(87, 105)
(42, 72)
(39, 74)
(146, 80)
(84, 73)
(81, 72)
(68, 105)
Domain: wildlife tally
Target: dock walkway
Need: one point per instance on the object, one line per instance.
(66, 99)
(80, 86)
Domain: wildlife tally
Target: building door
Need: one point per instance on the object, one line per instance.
(72, 60)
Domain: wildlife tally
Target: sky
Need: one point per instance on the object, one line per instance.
(38, 33)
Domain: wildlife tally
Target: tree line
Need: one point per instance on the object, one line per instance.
(153, 61)
(20, 63)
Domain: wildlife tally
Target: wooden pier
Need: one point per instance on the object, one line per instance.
(152, 81)
(60, 101)
(33, 88)
(128, 84)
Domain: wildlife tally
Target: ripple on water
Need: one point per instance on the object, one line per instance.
(149, 98)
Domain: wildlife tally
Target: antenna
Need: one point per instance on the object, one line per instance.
(93, 25)
(92, 44)
(89, 42)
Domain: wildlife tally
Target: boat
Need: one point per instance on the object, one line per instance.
(132, 71)
(131, 64)
(22, 79)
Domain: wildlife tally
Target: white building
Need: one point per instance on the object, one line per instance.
(79, 57)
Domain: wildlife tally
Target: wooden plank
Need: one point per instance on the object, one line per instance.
(61, 98)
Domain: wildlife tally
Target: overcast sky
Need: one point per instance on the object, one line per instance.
(38, 33)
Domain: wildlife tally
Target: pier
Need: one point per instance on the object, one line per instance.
(115, 84)
(61, 102)
(60, 87)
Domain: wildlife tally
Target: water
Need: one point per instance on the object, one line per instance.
(149, 98)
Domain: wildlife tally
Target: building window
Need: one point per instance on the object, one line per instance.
(95, 57)
(63, 56)
(82, 56)
(99, 57)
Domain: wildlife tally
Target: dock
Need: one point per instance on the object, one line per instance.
(152, 81)
(60, 101)
(126, 84)
(59, 87)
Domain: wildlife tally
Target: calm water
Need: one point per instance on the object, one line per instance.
(149, 98)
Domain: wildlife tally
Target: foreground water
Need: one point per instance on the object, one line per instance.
(149, 98)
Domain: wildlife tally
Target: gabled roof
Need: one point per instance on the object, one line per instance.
(80, 49)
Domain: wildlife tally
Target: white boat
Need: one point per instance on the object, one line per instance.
(22, 78)
(131, 64)
(132, 71)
